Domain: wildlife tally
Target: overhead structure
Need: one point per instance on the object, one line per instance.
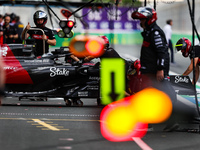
(154, 2)
(55, 3)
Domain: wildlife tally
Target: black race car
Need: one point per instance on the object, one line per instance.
(51, 75)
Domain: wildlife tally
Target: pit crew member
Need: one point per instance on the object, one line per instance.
(154, 56)
(9, 31)
(40, 19)
(185, 46)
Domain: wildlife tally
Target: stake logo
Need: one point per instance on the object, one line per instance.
(179, 79)
(58, 71)
(10, 68)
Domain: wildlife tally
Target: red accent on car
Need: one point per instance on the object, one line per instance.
(88, 64)
(15, 73)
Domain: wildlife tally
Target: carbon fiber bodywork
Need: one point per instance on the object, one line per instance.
(44, 77)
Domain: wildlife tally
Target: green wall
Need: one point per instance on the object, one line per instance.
(122, 38)
(177, 36)
(117, 38)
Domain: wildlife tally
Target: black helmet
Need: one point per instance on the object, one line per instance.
(40, 15)
(145, 13)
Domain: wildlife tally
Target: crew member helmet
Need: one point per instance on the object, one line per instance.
(184, 45)
(106, 40)
(40, 15)
(145, 13)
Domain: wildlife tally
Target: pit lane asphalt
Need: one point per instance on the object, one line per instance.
(50, 125)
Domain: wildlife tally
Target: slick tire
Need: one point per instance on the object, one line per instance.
(68, 103)
(99, 102)
(77, 102)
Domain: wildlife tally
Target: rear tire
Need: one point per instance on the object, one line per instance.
(77, 102)
(20, 98)
(68, 103)
(99, 102)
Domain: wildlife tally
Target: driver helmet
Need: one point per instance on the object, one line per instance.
(184, 45)
(106, 40)
(40, 15)
(145, 13)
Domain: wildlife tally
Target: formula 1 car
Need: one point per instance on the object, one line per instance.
(182, 85)
(46, 76)
(52, 75)
(57, 75)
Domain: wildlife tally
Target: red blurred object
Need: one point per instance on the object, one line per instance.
(139, 130)
(137, 66)
(106, 40)
(66, 13)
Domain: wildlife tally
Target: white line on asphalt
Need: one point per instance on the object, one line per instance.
(141, 143)
(64, 147)
(68, 115)
(66, 139)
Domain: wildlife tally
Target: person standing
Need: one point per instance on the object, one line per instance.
(154, 52)
(1, 20)
(168, 33)
(9, 31)
(154, 56)
(19, 26)
(40, 20)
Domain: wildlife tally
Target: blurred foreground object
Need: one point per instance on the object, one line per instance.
(129, 117)
(85, 45)
(2, 78)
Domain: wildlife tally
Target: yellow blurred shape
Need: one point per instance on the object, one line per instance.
(151, 106)
(120, 121)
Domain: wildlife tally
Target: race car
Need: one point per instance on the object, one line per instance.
(43, 77)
